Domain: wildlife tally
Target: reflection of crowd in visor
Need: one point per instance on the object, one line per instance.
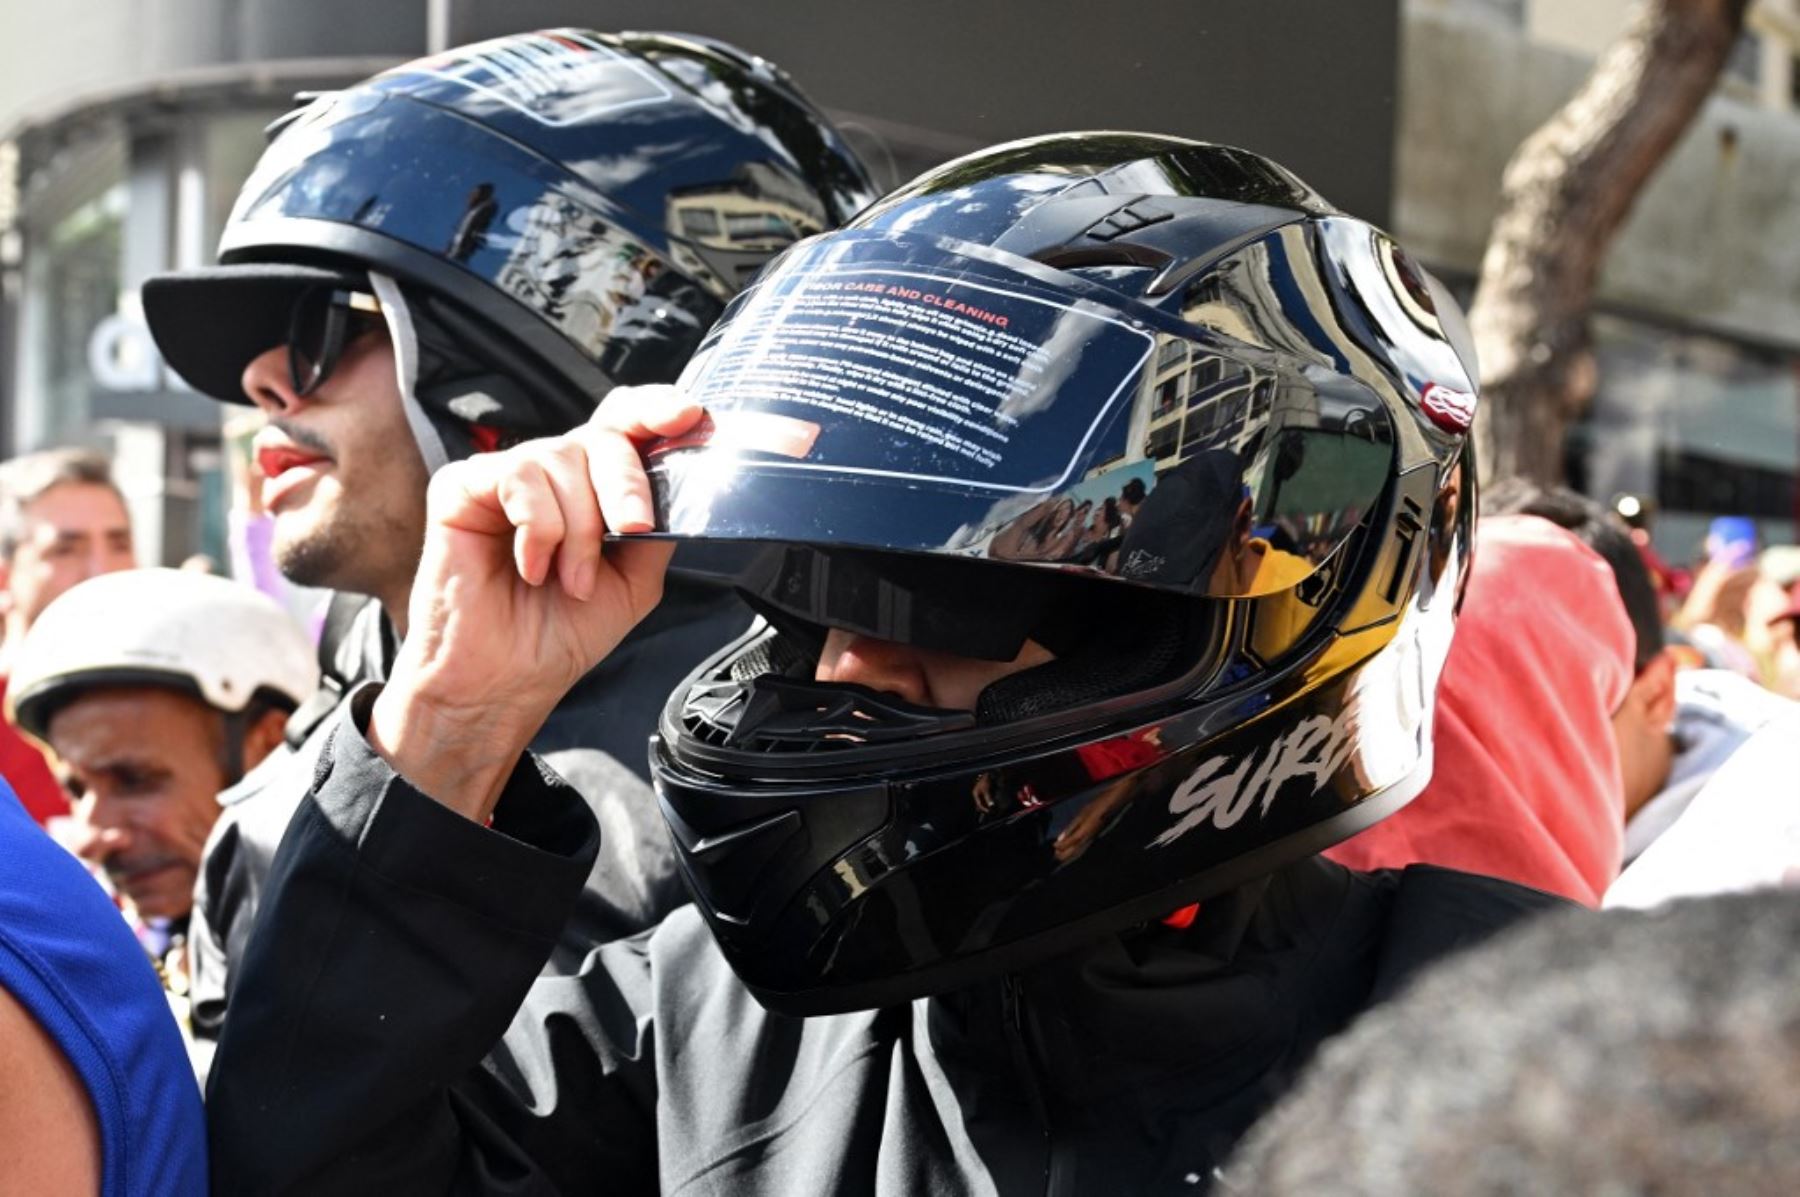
(1059, 529)
(1194, 529)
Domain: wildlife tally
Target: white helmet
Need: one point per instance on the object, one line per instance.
(214, 638)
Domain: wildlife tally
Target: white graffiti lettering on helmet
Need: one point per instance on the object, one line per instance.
(1223, 788)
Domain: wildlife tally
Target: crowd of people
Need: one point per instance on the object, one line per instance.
(1450, 859)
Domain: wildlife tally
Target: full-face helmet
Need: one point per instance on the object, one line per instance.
(1151, 404)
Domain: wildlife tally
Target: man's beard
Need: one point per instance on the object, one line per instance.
(349, 552)
(316, 558)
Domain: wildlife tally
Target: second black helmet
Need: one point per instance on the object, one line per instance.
(551, 214)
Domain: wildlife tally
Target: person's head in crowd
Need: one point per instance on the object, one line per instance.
(509, 289)
(62, 520)
(1131, 496)
(1766, 599)
(1620, 1053)
(1527, 782)
(1641, 724)
(1725, 613)
(156, 689)
(1197, 520)
(1731, 541)
(1784, 646)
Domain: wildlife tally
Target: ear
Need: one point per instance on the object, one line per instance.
(1241, 522)
(263, 737)
(1658, 683)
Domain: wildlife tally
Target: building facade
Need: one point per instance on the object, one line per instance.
(1697, 324)
(126, 127)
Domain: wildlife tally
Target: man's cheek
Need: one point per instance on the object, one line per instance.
(192, 842)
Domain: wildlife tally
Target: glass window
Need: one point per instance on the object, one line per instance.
(1703, 425)
(1262, 396)
(1745, 62)
(1209, 371)
(73, 224)
(1168, 394)
(1163, 441)
(758, 226)
(1509, 12)
(699, 222)
(231, 145)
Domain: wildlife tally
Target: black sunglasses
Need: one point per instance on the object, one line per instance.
(324, 320)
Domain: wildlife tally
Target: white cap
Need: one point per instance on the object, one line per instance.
(218, 639)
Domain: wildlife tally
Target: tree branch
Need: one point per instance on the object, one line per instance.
(1565, 193)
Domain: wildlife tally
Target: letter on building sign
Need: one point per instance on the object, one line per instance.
(121, 356)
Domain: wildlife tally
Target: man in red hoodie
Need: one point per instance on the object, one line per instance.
(1527, 783)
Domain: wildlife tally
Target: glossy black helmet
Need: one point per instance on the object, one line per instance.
(1150, 403)
(540, 217)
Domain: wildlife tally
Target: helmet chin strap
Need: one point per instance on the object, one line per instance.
(406, 369)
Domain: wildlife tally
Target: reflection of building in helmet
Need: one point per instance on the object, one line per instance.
(574, 268)
(1194, 400)
(725, 233)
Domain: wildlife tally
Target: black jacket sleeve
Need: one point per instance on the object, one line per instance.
(395, 943)
(237, 859)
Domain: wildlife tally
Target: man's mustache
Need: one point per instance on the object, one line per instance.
(306, 438)
(123, 870)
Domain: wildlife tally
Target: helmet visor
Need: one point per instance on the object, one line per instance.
(880, 392)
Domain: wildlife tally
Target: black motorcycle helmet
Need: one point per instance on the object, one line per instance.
(539, 218)
(1150, 403)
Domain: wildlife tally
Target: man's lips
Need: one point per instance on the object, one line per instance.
(285, 469)
(276, 460)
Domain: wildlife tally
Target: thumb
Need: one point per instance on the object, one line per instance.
(640, 566)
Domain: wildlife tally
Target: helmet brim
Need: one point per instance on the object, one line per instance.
(210, 323)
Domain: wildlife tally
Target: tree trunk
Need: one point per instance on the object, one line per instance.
(1568, 188)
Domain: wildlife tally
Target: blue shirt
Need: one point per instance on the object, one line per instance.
(67, 957)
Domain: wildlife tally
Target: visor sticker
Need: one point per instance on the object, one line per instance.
(1451, 410)
(556, 78)
(915, 376)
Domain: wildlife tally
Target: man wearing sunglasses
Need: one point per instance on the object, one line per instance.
(461, 253)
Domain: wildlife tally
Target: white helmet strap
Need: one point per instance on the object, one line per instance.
(406, 370)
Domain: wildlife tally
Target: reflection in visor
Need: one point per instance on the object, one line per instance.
(964, 411)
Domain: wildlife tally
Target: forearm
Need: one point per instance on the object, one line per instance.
(395, 942)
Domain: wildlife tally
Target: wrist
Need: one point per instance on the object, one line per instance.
(454, 753)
